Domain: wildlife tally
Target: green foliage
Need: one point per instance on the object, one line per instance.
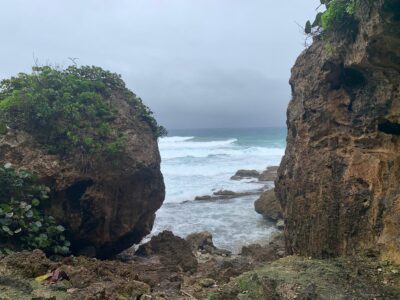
(69, 109)
(308, 27)
(22, 222)
(338, 16)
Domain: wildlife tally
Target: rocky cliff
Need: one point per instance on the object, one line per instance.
(338, 182)
(105, 198)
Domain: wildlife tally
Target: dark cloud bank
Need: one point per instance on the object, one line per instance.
(208, 63)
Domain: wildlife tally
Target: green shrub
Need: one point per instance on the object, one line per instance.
(22, 222)
(69, 110)
(338, 16)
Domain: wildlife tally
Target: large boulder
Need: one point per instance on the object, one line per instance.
(338, 182)
(106, 200)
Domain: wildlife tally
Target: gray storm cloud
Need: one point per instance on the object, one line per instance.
(208, 63)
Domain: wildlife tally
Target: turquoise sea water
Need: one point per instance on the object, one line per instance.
(200, 161)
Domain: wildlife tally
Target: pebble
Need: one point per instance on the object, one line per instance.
(207, 282)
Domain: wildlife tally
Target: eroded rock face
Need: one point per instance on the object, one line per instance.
(106, 204)
(268, 206)
(338, 182)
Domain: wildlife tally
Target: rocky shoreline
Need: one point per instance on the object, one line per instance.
(336, 193)
(266, 176)
(169, 267)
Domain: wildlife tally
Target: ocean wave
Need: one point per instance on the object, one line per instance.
(217, 152)
(175, 139)
(194, 166)
(188, 143)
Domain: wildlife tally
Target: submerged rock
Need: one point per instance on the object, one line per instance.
(206, 197)
(226, 194)
(242, 174)
(269, 174)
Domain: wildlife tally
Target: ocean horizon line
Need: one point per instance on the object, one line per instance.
(226, 128)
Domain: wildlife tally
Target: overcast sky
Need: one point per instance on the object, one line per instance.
(196, 63)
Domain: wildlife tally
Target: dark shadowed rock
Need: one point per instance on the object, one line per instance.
(268, 206)
(172, 250)
(226, 194)
(202, 241)
(207, 197)
(242, 174)
(266, 253)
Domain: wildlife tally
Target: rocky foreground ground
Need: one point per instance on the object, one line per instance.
(169, 267)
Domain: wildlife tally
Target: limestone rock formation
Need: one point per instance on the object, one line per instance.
(269, 206)
(106, 204)
(338, 182)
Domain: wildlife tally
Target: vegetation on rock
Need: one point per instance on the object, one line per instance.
(338, 16)
(70, 109)
(23, 225)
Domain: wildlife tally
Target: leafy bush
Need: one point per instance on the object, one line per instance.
(339, 15)
(69, 109)
(22, 222)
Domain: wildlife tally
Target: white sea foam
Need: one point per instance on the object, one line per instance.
(174, 139)
(195, 166)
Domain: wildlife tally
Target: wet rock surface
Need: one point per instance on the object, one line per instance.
(269, 174)
(242, 174)
(226, 194)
